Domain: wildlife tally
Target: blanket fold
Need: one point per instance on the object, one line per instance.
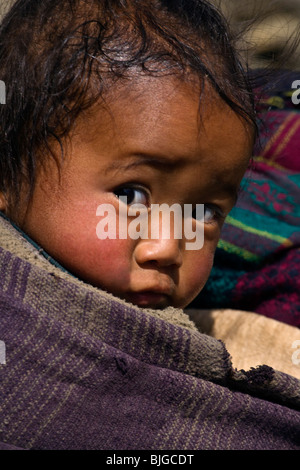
(85, 370)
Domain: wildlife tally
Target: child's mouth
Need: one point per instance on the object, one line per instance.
(148, 299)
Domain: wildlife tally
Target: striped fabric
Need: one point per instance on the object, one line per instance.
(85, 370)
(257, 263)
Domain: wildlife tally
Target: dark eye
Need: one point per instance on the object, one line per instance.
(211, 213)
(133, 195)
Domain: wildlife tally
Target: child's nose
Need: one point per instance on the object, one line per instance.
(163, 252)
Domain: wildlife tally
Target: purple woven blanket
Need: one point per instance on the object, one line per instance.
(84, 370)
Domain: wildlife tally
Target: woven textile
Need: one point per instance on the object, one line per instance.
(85, 370)
(257, 262)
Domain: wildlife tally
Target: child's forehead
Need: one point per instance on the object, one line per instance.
(166, 116)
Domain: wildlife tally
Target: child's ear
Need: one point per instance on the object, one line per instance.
(3, 202)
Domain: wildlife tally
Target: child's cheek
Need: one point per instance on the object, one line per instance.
(196, 273)
(107, 264)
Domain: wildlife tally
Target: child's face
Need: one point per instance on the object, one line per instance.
(151, 146)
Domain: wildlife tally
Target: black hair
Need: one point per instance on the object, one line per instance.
(57, 58)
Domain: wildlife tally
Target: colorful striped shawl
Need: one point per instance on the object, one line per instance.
(85, 370)
(257, 263)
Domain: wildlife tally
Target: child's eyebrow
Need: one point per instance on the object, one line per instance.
(146, 160)
(168, 164)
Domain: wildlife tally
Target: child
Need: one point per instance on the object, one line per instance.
(105, 100)
(144, 142)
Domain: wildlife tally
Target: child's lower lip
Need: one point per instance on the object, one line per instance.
(149, 299)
